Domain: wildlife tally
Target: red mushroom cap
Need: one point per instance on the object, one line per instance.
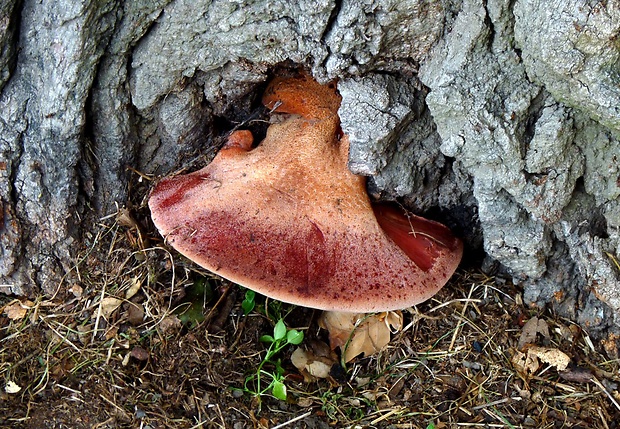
(290, 221)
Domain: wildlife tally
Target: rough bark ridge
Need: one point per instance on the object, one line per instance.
(503, 117)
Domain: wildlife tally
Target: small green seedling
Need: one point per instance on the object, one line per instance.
(263, 381)
(249, 302)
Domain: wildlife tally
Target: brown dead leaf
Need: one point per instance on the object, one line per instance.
(170, 324)
(136, 284)
(135, 313)
(360, 333)
(315, 360)
(305, 402)
(529, 362)
(18, 310)
(111, 333)
(109, 305)
(139, 353)
(124, 218)
(526, 364)
(76, 290)
(552, 356)
(531, 328)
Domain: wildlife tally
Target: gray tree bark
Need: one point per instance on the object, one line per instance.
(501, 116)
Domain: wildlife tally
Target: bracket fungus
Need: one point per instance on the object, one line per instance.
(289, 220)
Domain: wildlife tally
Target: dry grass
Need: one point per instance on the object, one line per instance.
(111, 352)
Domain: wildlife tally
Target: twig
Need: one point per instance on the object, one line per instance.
(457, 331)
(603, 419)
(492, 404)
(99, 311)
(609, 395)
(452, 301)
(386, 415)
(224, 306)
(120, 410)
(293, 420)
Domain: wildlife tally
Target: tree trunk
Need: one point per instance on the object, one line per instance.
(500, 118)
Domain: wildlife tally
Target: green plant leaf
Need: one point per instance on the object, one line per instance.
(279, 369)
(266, 339)
(269, 376)
(294, 336)
(247, 307)
(279, 390)
(249, 302)
(279, 331)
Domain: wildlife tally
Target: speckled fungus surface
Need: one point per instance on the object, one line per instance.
(290, 221)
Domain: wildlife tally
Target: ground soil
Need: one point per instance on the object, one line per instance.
(114, 349)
